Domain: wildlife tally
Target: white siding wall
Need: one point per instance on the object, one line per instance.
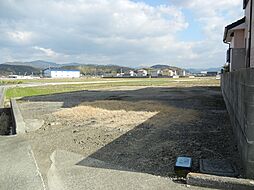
(65, 74)
(61, 74)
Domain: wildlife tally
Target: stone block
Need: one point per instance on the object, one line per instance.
(238, 93)
(250, 132)
(218, 167)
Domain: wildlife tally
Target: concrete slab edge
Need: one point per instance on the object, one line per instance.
(54, 180)
(19, 125)
(30, 152)
(218, 182)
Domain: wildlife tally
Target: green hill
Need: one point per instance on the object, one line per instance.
(6, 70)
(166, 67)
(98, 69)
(39, 64)
(35, 67)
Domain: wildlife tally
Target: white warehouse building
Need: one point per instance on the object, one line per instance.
(61, 73)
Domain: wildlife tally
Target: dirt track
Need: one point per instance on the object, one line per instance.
(138, 129)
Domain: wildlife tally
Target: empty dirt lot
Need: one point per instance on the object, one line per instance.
(140, 129)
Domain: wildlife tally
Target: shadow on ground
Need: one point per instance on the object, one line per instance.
(190, 122)
(5, 121)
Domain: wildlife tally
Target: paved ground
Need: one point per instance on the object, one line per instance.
(18, 169)
(70, 171)
(128, 131)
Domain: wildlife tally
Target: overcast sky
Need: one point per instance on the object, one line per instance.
(184, 33)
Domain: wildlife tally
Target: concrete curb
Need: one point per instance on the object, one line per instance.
(219, 182)
(19, 125)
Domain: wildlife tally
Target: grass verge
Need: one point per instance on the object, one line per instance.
(53, 89)
(6, 82)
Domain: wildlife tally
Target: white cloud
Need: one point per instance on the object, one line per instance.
(114, 32)
(49, 52)
(213, 16)
(20, 36)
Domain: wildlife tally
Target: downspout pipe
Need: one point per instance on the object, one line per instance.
(229, 54)
(250, 32)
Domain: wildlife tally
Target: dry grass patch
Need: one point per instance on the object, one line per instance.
(106, 118)
(125, 114)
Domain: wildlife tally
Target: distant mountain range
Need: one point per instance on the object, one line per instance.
(216, 69)
(98, 69)
(6, 70)
(166, 67)
(36, 66)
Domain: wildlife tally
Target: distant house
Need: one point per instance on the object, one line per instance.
(61, 73)
(108, 75)
(132, 73)
(20, 77)
(203, 72)
(212, 73)
(120, 74)
(167, 72)
(181, 73)
(142, 73)
(155, 73)
(184, 73)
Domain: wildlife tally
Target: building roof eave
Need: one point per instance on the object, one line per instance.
(245, 3)
(232, 26)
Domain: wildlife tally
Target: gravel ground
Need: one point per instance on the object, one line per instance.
(134, 128)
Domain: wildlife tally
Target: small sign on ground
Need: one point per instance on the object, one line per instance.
(183, 166)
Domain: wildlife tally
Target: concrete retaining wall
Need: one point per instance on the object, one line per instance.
(19, 125)
(238, 93)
